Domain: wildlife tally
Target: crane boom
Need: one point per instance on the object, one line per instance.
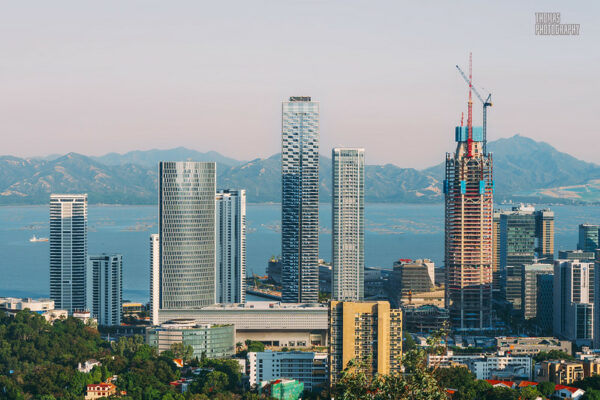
(486, 103)
(472, 86)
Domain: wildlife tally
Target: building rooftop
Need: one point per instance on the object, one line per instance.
(266, 305)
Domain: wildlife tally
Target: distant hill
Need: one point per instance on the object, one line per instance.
(150, 158)
(525, 170)
(522, 166)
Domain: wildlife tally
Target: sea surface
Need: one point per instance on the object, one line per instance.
(393, 231)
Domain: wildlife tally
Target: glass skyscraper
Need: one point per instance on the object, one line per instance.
(231, 246)
(348, 235)
(187, 234)
(588, 237)
(300, 200)
(68, 251)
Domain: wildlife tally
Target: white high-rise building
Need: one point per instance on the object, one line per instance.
(187, 234)
(300, 200)
(574, 301)
(348, 235)
(105, 290)
(68, 251)
(231, 246)
(154, 278)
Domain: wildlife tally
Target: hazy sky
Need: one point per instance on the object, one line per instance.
(101, 76)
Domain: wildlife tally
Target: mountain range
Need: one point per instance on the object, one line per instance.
(524, 170)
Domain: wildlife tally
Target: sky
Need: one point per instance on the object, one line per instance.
(112, 76)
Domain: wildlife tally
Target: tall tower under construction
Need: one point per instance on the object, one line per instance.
(469, 189)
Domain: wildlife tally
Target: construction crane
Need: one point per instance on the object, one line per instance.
(486, 103)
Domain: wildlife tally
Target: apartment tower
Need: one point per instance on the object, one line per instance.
(154, 278)
(231, 246)
(300, 200)
(186, 234)
(348, 236)
(368, 332)
(106, 293)
(68, 251)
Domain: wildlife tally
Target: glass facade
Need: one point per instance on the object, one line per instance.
(588, 237)
(187, 234)
(212, 341)
(300, 200)
(348, 235)
(68, 251)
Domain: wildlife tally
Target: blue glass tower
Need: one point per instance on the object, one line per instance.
(300, 200)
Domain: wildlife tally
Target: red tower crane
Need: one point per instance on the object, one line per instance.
(486, 103)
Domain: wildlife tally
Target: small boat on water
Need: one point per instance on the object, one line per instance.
(38, 239)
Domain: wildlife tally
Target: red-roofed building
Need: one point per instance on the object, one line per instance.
(178, 362)
(568, 392)
(523, 384)
(100, 390)
(181, 385)
(506, 384)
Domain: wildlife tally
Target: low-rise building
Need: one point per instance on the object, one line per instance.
(487, 366)
(501, 384)
(133, 308)
(501, 367)
(425, 318)
(88, 365)
(287, 389)
(567, 392)
(44, 307)
(531, 345)
(306, 367)
(100, 390)
(560, 372)
(270, 322)
(85, 316)
(212, 341)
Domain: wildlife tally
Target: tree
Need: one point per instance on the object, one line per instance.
(256, 347)
(546, 388)
(214, 382)
(530, 393)
(591, 394)
(409, 342)
(182, 351)
(553, 355)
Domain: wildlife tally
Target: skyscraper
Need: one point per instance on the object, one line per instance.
(187, 234)
(524, 236)
(348, 235)
(468, 189)
(588, 237)
(529, 285)
(574, 300)
(106, 292)
(496, 275)
(544, 232)
(517, 247)
(300, 200)
(68, 251)
(154, 278)
(231, 246)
